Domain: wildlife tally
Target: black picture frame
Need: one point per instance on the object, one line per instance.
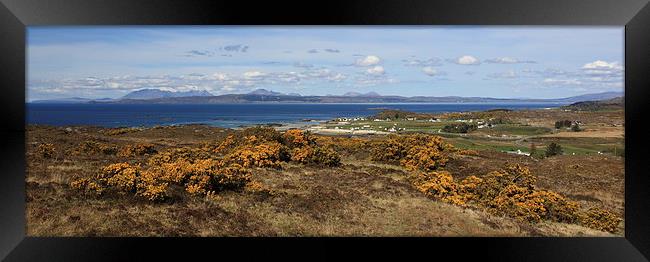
(15, 15)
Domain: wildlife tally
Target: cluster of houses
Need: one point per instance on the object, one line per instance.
(407, 119)
(350, 119)
(480, 124)
(394, 129)
(364, 127)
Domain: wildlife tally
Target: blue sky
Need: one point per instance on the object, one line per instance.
(506, 62)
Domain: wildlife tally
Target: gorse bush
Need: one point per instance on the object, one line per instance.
(151, 186)
(198, 178)
(315, 155)
(305, 150)
(298, 138)
(263, 155)
(46, 150)
(226, 145)
(426, 158)
(415, 152)
(210, 175)
(511, 192)
(122, 176)
(533, 206)
(600, 219)
(439, 185)
(391, 150)
(262, 133)
(137, 150)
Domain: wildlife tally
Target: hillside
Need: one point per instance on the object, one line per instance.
(608, 104)
(356, 197)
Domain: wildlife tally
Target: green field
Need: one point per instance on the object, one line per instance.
(501, 137)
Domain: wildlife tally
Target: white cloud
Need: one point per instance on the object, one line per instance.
(372, 81)
(368, 61)
(220, 76)
(254, 74)
(430, 71)
(467, 60)
(376, 70)
(602, 65)
(508, 60)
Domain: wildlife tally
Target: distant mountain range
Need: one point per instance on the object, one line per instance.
(264, 92)
(156, 96)
(157, 93)
(356, 94)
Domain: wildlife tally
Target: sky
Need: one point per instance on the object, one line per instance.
(486, 61)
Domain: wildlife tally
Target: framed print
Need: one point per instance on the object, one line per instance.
(138, 129)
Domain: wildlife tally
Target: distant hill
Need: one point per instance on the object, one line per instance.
(607, 104)
(157, 93)
(357, 94)
(155, 96)
(72, 100)
(264, 92)
(593, 97)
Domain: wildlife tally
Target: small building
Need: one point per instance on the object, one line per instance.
(518, 152)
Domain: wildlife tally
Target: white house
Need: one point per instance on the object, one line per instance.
(518, 152)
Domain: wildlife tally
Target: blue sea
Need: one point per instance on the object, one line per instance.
(232, 115)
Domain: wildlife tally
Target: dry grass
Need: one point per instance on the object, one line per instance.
(358, 198)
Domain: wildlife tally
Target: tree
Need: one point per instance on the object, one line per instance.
(562, 123)
(553, 149)
(576, 128)
(459, 128)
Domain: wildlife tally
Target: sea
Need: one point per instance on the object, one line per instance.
(233, 115)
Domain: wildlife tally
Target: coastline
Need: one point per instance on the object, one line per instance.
(235, 115)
